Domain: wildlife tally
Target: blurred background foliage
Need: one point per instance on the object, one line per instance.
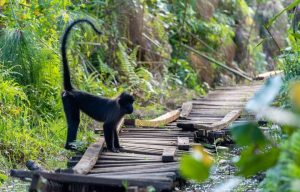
(140, 51)
(269, 151)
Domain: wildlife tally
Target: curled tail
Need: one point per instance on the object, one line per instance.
(66, 72)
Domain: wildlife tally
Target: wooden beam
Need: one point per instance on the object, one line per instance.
(169, 154)
(225, 122)
(91, 155)
(89, 159)
(186, 110)
(267, 75)
(158, 183)
(183, 143)
(159, 121)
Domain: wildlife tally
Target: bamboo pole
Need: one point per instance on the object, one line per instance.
(216, 62)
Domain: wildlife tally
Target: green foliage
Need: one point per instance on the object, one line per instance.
(248, 133)
(289, 7)
(196, 166)
(262, 160)
(2, 178)
(19, 52)
(33, 124)
(185, 74)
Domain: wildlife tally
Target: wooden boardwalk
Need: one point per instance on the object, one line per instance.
(151, 148)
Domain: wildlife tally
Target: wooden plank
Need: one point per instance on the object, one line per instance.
(104, 166)
(183, 143)
(89, 159)
(269, 74)
(186, 109)
(171, 175)
(157, 183)
(126, 154)
(225, 122)
(140, 171)
(169, 154)
(160, 121)
(136, 167)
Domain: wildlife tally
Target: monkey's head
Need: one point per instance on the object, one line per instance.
(126, 102)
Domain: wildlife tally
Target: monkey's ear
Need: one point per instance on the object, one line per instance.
(124, 93)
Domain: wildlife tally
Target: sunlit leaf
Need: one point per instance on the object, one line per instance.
(2, 2)
(247, 133)
(296, 35)
(266, 95)
(252, 161)
(197, 165)
(295, 93)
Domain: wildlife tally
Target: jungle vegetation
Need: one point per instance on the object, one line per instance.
(141, 51)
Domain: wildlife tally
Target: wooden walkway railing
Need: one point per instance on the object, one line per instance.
(152, 148)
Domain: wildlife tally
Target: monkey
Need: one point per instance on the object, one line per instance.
(109, 111)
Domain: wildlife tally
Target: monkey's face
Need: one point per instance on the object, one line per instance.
(126, 102)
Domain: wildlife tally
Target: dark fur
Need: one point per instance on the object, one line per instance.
(109, 111)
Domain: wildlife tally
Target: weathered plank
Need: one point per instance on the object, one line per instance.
(136, 167)
(157, 183)
(225, 122)
(266, 75)
(171, 175)
(186, 109)
(140, 171)
(159, 121)
(89, 159)
(183, 143)
(169, 154)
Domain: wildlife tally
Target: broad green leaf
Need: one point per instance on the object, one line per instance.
(248, 133)
(197, 165)
(289, 7)
(266, 95)
(296, 35)
(252, 161)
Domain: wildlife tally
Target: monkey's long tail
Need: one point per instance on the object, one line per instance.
(66, 71)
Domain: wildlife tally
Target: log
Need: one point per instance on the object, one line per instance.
(169, 154)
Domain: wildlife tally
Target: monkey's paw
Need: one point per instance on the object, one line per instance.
(114, 150)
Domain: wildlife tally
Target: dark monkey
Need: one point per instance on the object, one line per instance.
(109, 111)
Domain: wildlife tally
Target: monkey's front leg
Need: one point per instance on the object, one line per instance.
(108, 129)
(116, 140)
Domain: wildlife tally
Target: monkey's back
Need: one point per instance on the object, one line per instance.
(94, 106)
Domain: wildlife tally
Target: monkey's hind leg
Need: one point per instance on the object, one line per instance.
(73, 118)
